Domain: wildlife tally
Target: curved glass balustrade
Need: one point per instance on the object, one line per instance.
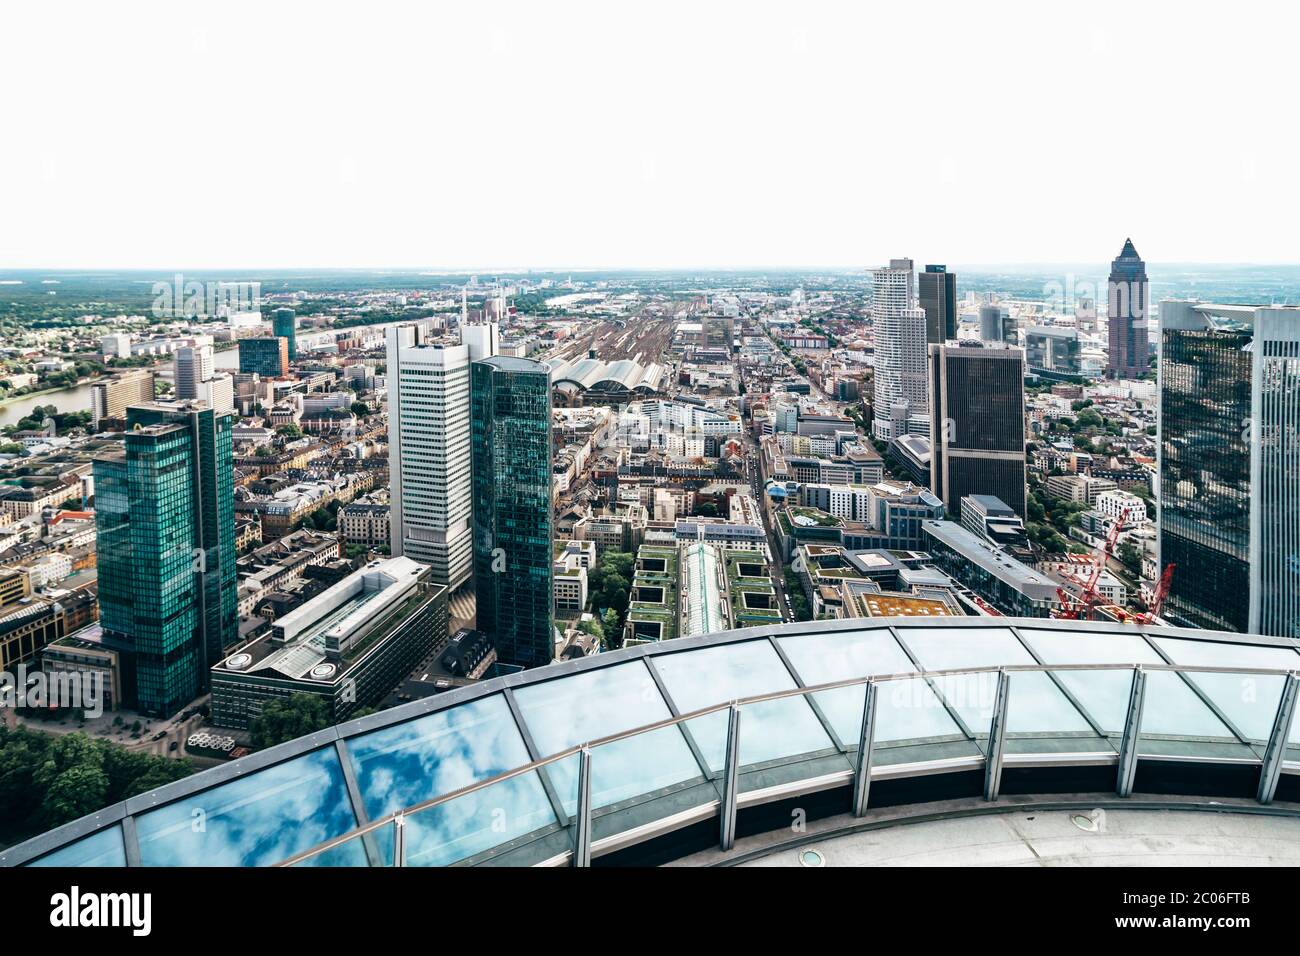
(494, 774)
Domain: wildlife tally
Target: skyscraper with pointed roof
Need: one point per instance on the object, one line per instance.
(1128, 311)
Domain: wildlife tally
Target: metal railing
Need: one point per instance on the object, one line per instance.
(993, 757)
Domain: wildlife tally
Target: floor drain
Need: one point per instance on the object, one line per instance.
(1087, 821)
(811, 858)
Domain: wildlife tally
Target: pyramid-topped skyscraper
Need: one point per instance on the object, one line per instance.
(1128, 311)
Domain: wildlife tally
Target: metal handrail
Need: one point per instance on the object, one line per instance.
(397, 817)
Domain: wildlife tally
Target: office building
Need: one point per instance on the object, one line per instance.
(193, 367)
(284, 325)
(511, 416)
(109, 397)
(996, 324)
(1053, 353)
(977, 428)
(938, 298)
(996, 577)
(429, 453)
(267, 357)
(1229, 514)
(351, 644)
(165, 526)
(1128, 316)
(898, 325)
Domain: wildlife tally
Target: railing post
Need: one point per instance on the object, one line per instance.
(582, 819)
(997, 736)
(866, 742)
(1271, 770)
(399, 840)
(1128, 750)
(730, 780)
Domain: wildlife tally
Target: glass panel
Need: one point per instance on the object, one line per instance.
(1035, 704)
(1103, 694)
(913, 710)
(1173, 709)
(768, 730)
(103, 848)
(949, 648)
(353, 852)
(1248, 700)
(257, 820)
(478, 821)
(572, 710)
(400, 766)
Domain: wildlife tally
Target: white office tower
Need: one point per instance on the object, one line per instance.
(193, 367)
(482, 340)
(218, 392)
(429, 454)
(898, 324)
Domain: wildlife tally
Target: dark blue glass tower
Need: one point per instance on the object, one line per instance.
(511, 439)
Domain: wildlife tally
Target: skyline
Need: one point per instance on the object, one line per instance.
(309, 138)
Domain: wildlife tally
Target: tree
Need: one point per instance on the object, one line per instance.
(360, 409)
(74, 793)
(1130, 557)
(290, 718)
(290, 431)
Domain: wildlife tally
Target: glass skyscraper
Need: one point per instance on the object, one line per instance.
(164, 514)
(284, 325)
(268, 357)
(938, 297)
(511, 441)
(1229, 473)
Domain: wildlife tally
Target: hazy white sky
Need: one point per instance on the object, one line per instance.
(549, 134)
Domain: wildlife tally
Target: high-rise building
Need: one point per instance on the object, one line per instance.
(110, 396)
(977, 428)
(284, 325)
(266, 356)
(511, 416)
(165, 525)
(996, 324)
(483, 339)
(196, 378)
(898, 326)
(429, 453)
(938, 297)
(1127, 312)
(1053, 352)
(218, 392)
(193, 367)
(1229, 497)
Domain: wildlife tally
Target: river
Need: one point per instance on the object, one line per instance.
(77, 397)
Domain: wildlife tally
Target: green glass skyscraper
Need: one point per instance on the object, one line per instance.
(164, 515)
(510, 405)
(284, 325)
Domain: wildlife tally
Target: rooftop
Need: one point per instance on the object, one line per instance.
(656, 719)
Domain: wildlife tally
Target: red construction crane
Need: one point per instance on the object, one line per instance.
(1079, 607)
(1158, 598)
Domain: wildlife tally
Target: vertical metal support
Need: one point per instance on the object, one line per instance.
(731, 780)
(1271, 771)
(399, 840)
(1128, 749)
(866, 743)
(582, 817)
(997, 737)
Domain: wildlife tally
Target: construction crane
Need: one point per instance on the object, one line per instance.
(1080, 607)
(1152, 613)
